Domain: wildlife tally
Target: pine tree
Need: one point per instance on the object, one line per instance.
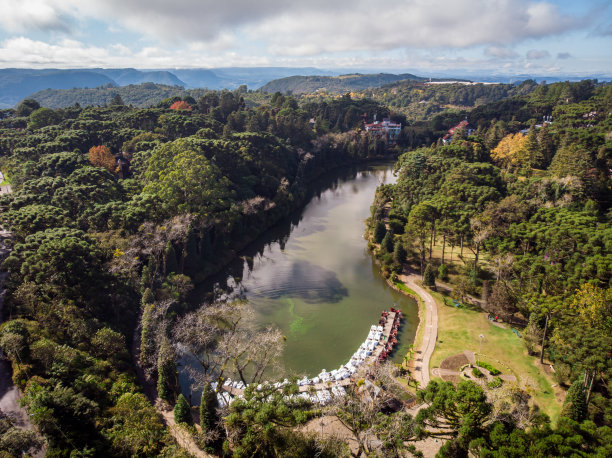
(429, 277)
(536, 159)
(399, 252)
(182, 411)
(387, 243)
(170, 256)
(147, 342)
(167, 376)
(116, 100)
(575, 406)
(379, 231)
(208, 408)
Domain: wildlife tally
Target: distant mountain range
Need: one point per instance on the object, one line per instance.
(17, 84)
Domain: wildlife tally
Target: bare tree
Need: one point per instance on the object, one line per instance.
(222, 338)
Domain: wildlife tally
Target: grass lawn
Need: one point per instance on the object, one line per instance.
(459, 329)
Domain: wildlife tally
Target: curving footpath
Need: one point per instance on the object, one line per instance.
(431, 329)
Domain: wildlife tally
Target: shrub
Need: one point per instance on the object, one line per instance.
(476, 372)
(443, 272)
(490, 368)
(495, 383)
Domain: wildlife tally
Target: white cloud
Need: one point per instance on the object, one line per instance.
(316, 26)
(24, 15)
(537, 54)
(500, 52)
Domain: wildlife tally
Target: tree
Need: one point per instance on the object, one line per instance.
(575, 405)
(137, 429)
(43, 117)
(26, 107)
(399, 252)
(502, 301)
(117, 100)
(379, 231)
(167, 376)
(511, 151)
(387, 243)
(182, 411)
(170, 264)
(208, 408)
(429, 277)
(181, 105)
(100, 156)
(443, 272)
(455, 413)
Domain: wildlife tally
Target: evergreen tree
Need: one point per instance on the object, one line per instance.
(182, 411)
(575, 406)
(429, 277)
(379, 231)
(170, 257)
(387, 243)
(116, 100)
(547, 145)
(208, 408)
(147, 341)
(536, 159)
(399, 252)
(167, 376)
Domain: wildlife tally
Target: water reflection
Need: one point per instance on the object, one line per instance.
(313, 278)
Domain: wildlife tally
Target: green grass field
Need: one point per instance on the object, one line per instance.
(459, 329)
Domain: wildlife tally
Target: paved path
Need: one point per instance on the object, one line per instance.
(431, 329)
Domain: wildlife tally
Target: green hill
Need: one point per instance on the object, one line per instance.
(139, 95)
(334, 84)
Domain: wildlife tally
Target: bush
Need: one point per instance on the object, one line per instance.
(495, 383)
(476, 372)
(182, 411)
(490, 368)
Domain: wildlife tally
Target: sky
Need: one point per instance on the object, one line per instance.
(555, 37)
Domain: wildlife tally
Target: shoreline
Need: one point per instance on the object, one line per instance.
(428, 320)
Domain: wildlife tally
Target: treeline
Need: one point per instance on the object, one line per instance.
(536, 206)
(116, 212)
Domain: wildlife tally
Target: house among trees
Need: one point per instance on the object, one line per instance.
(462, 125)
(386, 127)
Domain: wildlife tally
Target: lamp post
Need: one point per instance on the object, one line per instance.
(479, 348)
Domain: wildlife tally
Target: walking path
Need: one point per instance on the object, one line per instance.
(430, 334)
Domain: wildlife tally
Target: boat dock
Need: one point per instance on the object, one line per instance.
(378, 345)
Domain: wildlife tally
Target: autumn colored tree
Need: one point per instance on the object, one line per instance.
(511, 151)
(181, 105)
(101, 156)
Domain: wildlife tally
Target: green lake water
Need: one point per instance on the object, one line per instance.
(313, 277)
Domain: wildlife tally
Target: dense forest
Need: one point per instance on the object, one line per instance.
(117, 212)
(533, 211)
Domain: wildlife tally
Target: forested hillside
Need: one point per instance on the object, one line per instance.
(117, 212)
(333, 84)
